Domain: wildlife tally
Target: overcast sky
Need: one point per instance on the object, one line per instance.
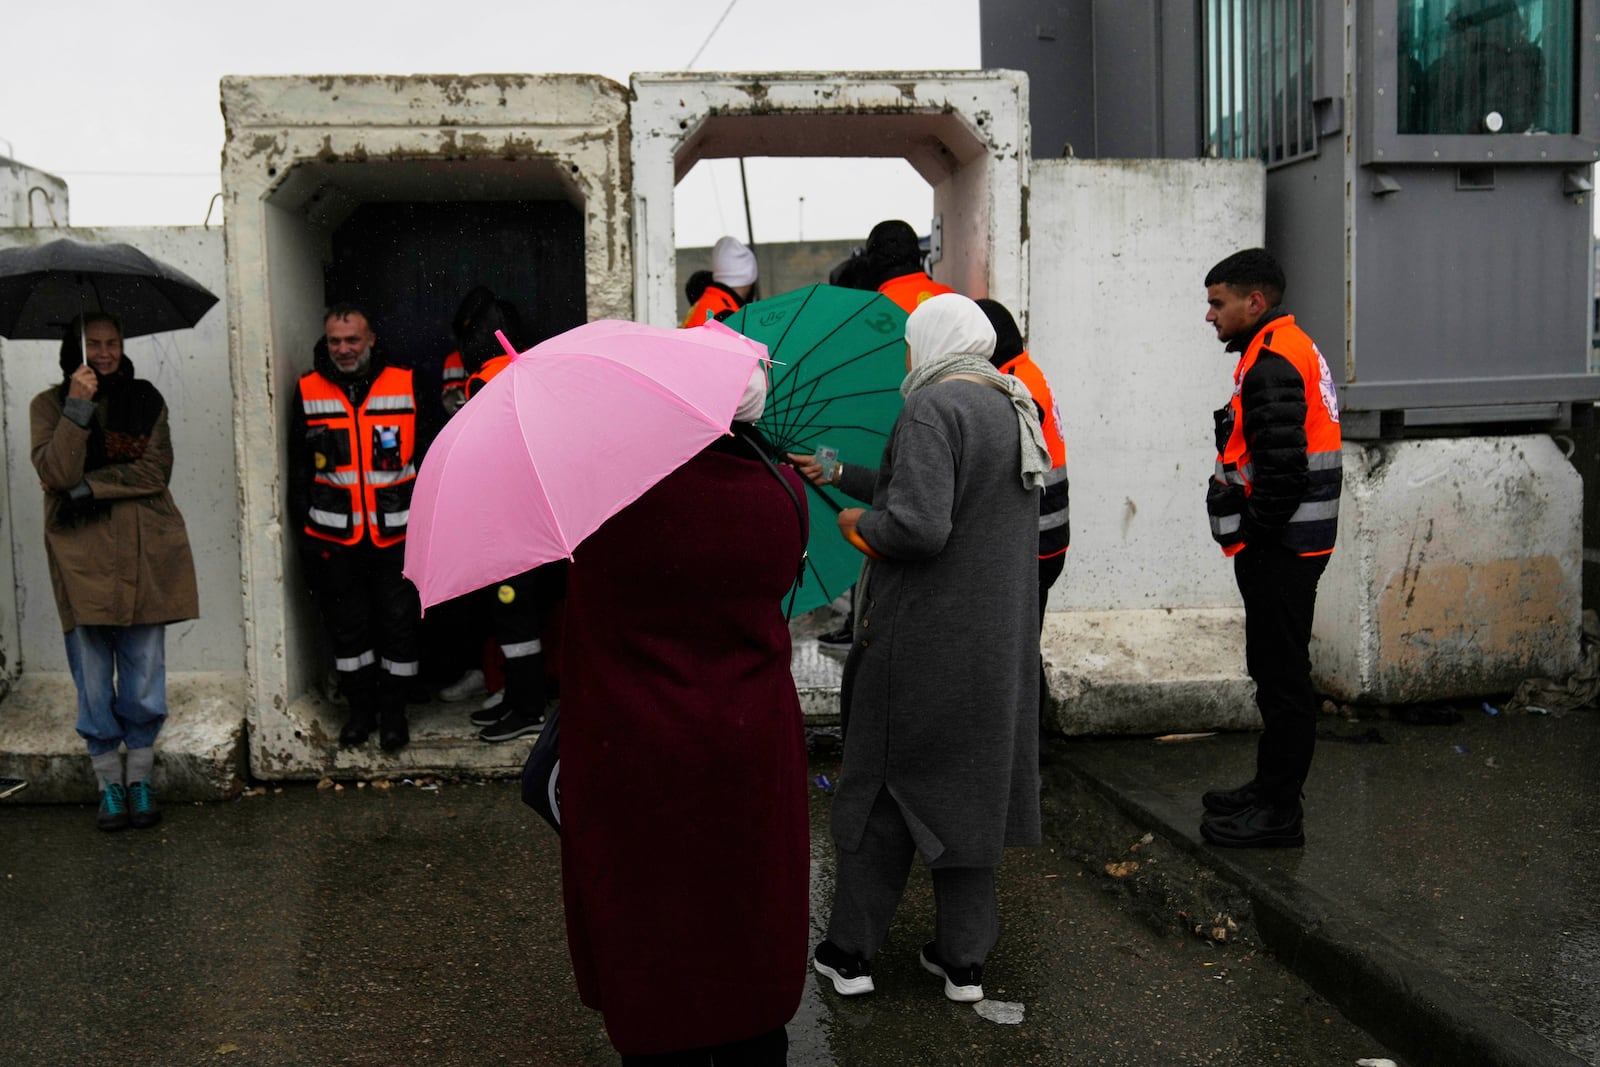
(120, 99)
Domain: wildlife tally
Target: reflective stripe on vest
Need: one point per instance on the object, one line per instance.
(909, 290)
(1314, 526)
(1055, 531)
(364, 459)
(455, 370)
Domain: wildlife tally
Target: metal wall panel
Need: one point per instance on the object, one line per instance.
(1054, 43)
(1472, 286)
(1305, 230)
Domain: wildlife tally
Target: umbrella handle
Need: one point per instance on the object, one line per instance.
(861, 545)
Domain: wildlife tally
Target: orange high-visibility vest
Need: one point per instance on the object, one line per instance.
(453, 378)
(909, 290)
(364, 474)
(491, 366)
(718, 303)
(1054, 530)
(1312, 528)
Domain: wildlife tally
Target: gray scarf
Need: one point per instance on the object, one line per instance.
(1035, 454)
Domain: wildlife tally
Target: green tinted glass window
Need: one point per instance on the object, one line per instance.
(1259, 79)
(1485, 66)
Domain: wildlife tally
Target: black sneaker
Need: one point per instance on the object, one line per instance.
(1264, 826)
(1232, 801)
(113, 807)
(838, 640)
(142, 802)
(961, 984)
(851, 975)
(492, 711)
(513, 725)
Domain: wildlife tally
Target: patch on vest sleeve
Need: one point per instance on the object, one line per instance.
(1330, 395)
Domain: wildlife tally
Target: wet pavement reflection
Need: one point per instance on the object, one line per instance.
(1471, 847)
(423, 924)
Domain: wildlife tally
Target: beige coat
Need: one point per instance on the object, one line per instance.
(130, 566)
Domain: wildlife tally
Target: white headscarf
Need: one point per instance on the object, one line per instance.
(732, 263)
(950, 335)
(754, 400)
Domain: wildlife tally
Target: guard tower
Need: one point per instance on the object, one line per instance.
(1428, 168)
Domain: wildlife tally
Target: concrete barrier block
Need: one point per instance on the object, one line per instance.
(1458, 571)
(1147, 672)
(199, 755)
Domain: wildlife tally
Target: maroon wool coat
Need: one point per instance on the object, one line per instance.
(686, 841)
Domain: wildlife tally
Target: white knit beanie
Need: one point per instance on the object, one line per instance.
(732, 263)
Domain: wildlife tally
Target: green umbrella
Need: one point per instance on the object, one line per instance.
(839, 357)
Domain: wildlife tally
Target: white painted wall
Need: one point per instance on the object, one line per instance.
(301, 153)
(30, 197)
(1119, 251)
(190, 367)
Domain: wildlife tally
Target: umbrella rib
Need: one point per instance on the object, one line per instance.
(774, 349)
(644, 379)
(840, 325)
(785, 418)
(797, 360)
(544, 494)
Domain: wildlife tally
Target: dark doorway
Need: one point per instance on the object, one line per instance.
(409, 265)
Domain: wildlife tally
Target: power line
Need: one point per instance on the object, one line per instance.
(713, 33)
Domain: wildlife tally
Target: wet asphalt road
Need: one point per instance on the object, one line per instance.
(423, 926)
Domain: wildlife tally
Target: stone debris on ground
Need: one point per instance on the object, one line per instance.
(1005, 1012)
(1218, 930)
(1541, 696)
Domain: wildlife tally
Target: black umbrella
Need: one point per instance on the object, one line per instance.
(43, 288)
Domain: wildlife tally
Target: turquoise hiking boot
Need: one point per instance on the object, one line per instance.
(113, 807)
(142, 799)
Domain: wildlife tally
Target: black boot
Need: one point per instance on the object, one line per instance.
(1270, 824)
(362, 721)
(393, 730)
(1234, 801)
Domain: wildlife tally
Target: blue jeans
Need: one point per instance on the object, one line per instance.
(121, 675)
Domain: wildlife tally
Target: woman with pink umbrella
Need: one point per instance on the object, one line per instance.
(685, 837)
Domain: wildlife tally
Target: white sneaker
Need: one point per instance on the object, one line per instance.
(468, 686)
(494, 699)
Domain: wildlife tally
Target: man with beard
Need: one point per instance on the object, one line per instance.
(353, 458)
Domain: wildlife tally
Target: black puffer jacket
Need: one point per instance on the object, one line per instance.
(1273, 400)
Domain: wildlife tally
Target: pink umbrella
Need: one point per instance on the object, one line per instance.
(574, 430)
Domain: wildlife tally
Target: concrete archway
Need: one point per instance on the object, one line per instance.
(964, 132)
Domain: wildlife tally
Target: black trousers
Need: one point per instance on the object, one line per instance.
(770, 1049)
(371, 612)
(1280, 595)
(518, 609)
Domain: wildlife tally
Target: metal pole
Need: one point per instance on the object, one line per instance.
(744, 186)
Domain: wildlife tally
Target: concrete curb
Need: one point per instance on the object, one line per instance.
(199, 755)
(1427, 1017)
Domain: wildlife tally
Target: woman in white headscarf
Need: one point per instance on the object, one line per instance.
(940, 690)
(685, 833)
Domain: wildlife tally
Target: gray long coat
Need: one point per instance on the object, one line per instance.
(941, 688)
